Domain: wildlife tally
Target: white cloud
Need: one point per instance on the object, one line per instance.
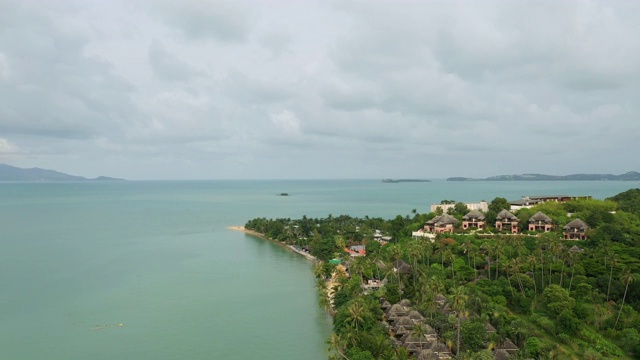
(287, 123)
(7, 148)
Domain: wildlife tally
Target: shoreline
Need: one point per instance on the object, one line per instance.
(264, 237)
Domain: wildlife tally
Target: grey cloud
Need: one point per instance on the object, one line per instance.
(226, 21)
(167, 66)
(52, 88)
(255, 91)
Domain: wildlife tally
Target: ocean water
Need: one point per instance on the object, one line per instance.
(148, 270)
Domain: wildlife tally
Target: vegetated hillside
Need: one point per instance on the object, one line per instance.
(628, 201)
(629, 176)
(478, 292)
(12, 173)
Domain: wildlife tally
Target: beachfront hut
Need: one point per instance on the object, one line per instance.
(405, 322)
(440, 299)
(575, 249)
(427, 354)
(501, 355)
(412, 348)
(401, 267)
(575, 230)
(392, 317)
(405, 302)
(508, 346)
(385, 305)
(441, 350)
(507, 221)
(401, 331)
(415, 315)
(397, 309)
(474, 219)
(540, 222)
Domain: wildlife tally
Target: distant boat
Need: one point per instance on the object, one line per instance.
(283, 194)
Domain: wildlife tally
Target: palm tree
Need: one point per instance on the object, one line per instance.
(556, 250)
(532, 260)
(459, 300)
(489, 250)
(420, 332)
(415, 251)
(627, 278)
(499, 251)
(356, 315)
(515, 267)
(563, 257)
(336, 343)
(573, 257)
(379, 346)
(613, 262)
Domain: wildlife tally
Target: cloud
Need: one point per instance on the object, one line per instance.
(162, 89)
(8, 148)
(167, 66)
(225, 21)
(287, 123)
(4, 67)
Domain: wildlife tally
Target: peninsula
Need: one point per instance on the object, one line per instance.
(395, 181)
(557, 277)
(629, 176)
(12, 173)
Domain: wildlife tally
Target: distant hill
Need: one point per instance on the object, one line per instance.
(394, 181)
(630, 176)
(12, 173)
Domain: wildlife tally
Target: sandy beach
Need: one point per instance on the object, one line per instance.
(263, 236)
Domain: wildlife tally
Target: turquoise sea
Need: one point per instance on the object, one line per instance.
(79, 259)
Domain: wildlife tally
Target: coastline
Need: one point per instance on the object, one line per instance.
(264, 237)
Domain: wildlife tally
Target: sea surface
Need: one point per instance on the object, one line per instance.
(148, 270)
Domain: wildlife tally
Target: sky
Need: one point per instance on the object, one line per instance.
(284, 89)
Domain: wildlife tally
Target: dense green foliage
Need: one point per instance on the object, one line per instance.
(553, 303)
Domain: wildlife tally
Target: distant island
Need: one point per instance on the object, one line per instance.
(394, 181)
(12, 173)
(629, 176)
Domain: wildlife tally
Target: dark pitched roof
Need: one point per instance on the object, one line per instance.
(474, 214)
(575, 249)
(501, 355)
(396, 309)
(415, 315)
(406, 322)
(576, 224)
(443, 220)
(427, 354)
(506, 215)
(405, 302)
(507, 345)
(540, 217)
(401, 330)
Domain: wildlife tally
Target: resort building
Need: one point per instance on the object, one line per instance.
(442, 224)
(474, 219)
(540, 222)
(507, 221)
(529, 201)
(575, 230)
(482, 206)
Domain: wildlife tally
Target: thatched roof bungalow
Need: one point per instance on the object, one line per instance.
(507, 221)
(474, 219)
(540, 222)
(575, 230)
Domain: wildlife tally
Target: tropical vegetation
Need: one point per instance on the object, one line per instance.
(554, 299)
